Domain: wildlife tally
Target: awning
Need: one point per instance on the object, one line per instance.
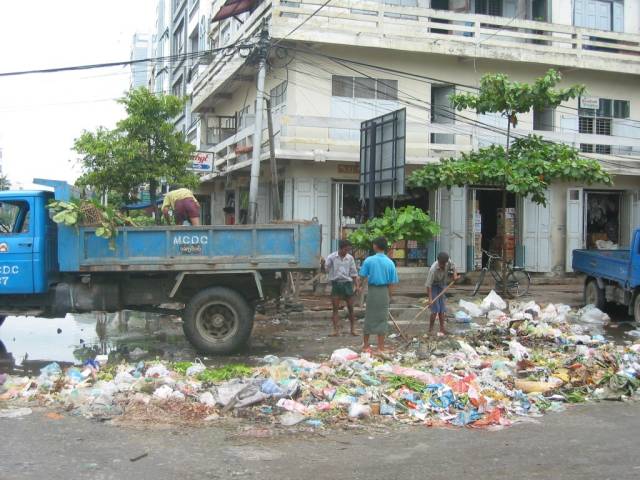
(231, 8)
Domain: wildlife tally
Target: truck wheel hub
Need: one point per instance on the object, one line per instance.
(216, 322)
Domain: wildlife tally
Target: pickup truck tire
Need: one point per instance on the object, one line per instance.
(636, 307)
(593, 294)
(218, 321)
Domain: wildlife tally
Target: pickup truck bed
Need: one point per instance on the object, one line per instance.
(611, 265)
(214, 248)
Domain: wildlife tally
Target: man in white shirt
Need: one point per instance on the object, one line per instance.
(343, 275)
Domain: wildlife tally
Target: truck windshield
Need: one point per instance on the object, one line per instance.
(14, 217)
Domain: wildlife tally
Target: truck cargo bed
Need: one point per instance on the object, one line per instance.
(608, 264)
(237, 247)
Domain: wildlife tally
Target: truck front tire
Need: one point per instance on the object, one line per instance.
(218, 321)
(593, 294)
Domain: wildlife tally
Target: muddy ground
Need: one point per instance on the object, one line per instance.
(27, 343)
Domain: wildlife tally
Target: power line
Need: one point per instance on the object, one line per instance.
(425, 78)
(453, 116)
(169, 58)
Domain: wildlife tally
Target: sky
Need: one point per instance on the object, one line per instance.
(42, 114)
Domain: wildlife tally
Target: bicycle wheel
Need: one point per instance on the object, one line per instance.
(518, 282)
(476, 289)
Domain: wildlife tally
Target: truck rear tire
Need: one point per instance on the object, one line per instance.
(593, 294)
(636, 307)
(218, 321)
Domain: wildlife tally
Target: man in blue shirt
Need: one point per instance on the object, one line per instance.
(380, 273)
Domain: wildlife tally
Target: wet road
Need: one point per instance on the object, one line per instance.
(28, 343)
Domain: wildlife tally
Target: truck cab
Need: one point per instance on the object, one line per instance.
(27, 243)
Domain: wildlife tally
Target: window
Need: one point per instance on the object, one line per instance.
(363, 87)
(177, 88)
(243, 117)
(599, 14)
(600, 121)
(225, 34)
(178, 40)
(14, 217)
(489, 7)
(543, 119)
(278, 94)
(194, 41)
(442, 112)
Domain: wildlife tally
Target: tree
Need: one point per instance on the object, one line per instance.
(532, 164)
(143, 149)
(5, 183)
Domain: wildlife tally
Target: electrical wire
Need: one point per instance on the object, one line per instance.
(181, 57)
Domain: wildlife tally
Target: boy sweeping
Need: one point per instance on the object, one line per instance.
(442, 272)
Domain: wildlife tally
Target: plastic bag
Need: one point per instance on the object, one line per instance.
(196, 368)
(493, 301)
(517, 351)
(471, 308)
(591, 314)
(344, 355)
(163, 392)
(207, 399)
(462, 317)
(357, 410)
(291, 405)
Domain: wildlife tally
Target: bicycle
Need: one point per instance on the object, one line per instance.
(518, 280)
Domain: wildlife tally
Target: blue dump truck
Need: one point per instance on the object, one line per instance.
(214, 274)
(612, 276)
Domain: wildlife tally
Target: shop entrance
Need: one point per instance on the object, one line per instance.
(602, 218)
(485, 224)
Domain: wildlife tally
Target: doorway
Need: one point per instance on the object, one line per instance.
(602, 218)
(485, 225)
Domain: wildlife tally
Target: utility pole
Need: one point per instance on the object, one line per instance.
(257, 135)
(275, 189)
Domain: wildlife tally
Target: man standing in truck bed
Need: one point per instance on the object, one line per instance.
(184, 206)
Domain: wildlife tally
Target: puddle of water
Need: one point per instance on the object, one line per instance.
(29, 343)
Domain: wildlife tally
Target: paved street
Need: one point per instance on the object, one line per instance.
(590, 441)
(595, 441)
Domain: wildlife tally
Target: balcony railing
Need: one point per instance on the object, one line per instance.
(373, 24)
(320, 139)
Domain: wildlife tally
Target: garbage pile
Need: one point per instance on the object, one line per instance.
(526, 361)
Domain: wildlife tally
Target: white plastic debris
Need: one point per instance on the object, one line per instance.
(496, 315)
(195, 369)
(207, 399)
(493, 301)
(471, 308)
(343, 355)
(357, 410)
(163, 392)
(591, 314)
(462, 316)
(158, 371)
(518, 351)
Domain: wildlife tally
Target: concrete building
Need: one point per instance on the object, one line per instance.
(333, 67)
(180, 40)
(141, 48)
